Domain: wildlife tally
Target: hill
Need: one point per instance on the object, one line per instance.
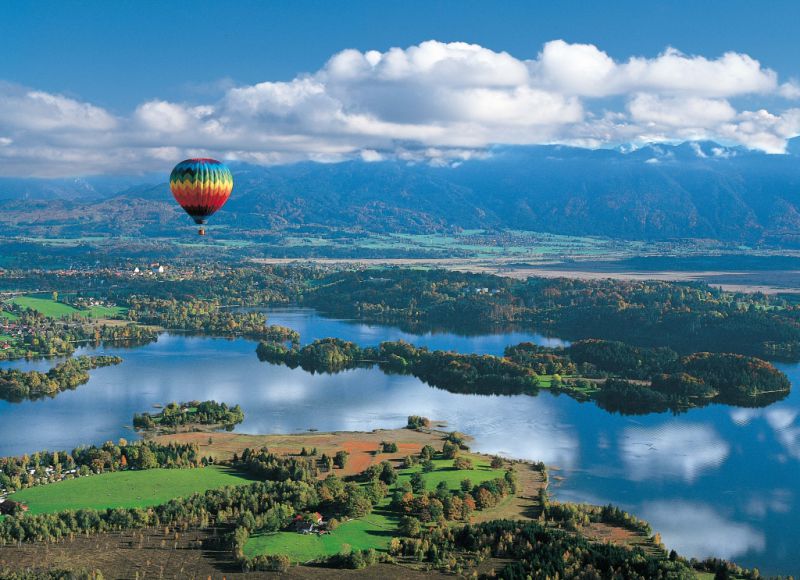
(656, 192)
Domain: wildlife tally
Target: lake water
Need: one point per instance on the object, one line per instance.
(719, 481)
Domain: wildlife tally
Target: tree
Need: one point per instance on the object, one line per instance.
(449, 450)
(418, 422)
(147, 459)
(497, 462)
(410, 526)
(340, 459)
(462, 463)
(388, 447)
(417, 482)
(388, 474)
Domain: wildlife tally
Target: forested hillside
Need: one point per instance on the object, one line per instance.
(692, 190)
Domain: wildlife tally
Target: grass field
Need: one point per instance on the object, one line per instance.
(125, 489)
(104, 311)
(8, 315)
(374, 530)
(46, 306)
(54, 309)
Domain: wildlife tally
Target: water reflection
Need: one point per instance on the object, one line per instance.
(674, 450)
(313, 326)
(717, 481)
(783, 421)
(697, 530)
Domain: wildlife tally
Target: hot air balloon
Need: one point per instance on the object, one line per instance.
(201, 187)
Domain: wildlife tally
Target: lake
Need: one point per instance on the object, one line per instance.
(719, 481)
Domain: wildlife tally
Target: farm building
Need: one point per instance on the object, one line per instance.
(10, 507)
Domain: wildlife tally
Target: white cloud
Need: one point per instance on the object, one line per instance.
(169, 117)
(679, 112)
(583, 69)
(436, 102)
(40, 111)
(371, 156)
(790, 90)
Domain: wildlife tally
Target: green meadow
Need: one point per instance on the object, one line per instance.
(54, 309)
(374, 530)
(126, 489)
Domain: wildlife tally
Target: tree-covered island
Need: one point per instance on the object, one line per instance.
(190, 415)
(619, 377)
(17, 385)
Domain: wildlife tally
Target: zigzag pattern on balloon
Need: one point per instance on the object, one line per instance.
(201, 186)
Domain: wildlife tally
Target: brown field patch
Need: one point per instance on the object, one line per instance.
(362, 446)
(149, 553)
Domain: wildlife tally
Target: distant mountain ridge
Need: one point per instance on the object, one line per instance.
(656, 192)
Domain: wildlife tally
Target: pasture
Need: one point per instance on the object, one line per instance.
(374, 530)
(54, 309)
(126, 489)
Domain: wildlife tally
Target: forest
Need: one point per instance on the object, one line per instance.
(619, 377)
(16, 385)
(535, 550)
(687, 317)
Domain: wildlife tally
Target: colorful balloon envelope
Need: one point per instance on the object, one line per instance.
(201, 187)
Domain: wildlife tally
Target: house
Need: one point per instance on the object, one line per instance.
(306, 524)
(11, 507)
(136, 270)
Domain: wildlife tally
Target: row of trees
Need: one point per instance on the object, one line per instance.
(47, 466)
(534, 551)
(229, 504)
(573, 515)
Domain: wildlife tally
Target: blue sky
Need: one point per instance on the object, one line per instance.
(119, 68)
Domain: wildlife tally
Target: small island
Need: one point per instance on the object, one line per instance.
(17, 385)
(190, 416)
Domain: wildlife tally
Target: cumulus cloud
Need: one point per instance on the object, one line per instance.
(38, 111)
(584, 69)
(790, 90)
(436, 102)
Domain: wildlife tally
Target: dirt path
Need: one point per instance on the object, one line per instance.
(525, 504)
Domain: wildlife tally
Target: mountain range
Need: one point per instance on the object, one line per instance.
(655, 192)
